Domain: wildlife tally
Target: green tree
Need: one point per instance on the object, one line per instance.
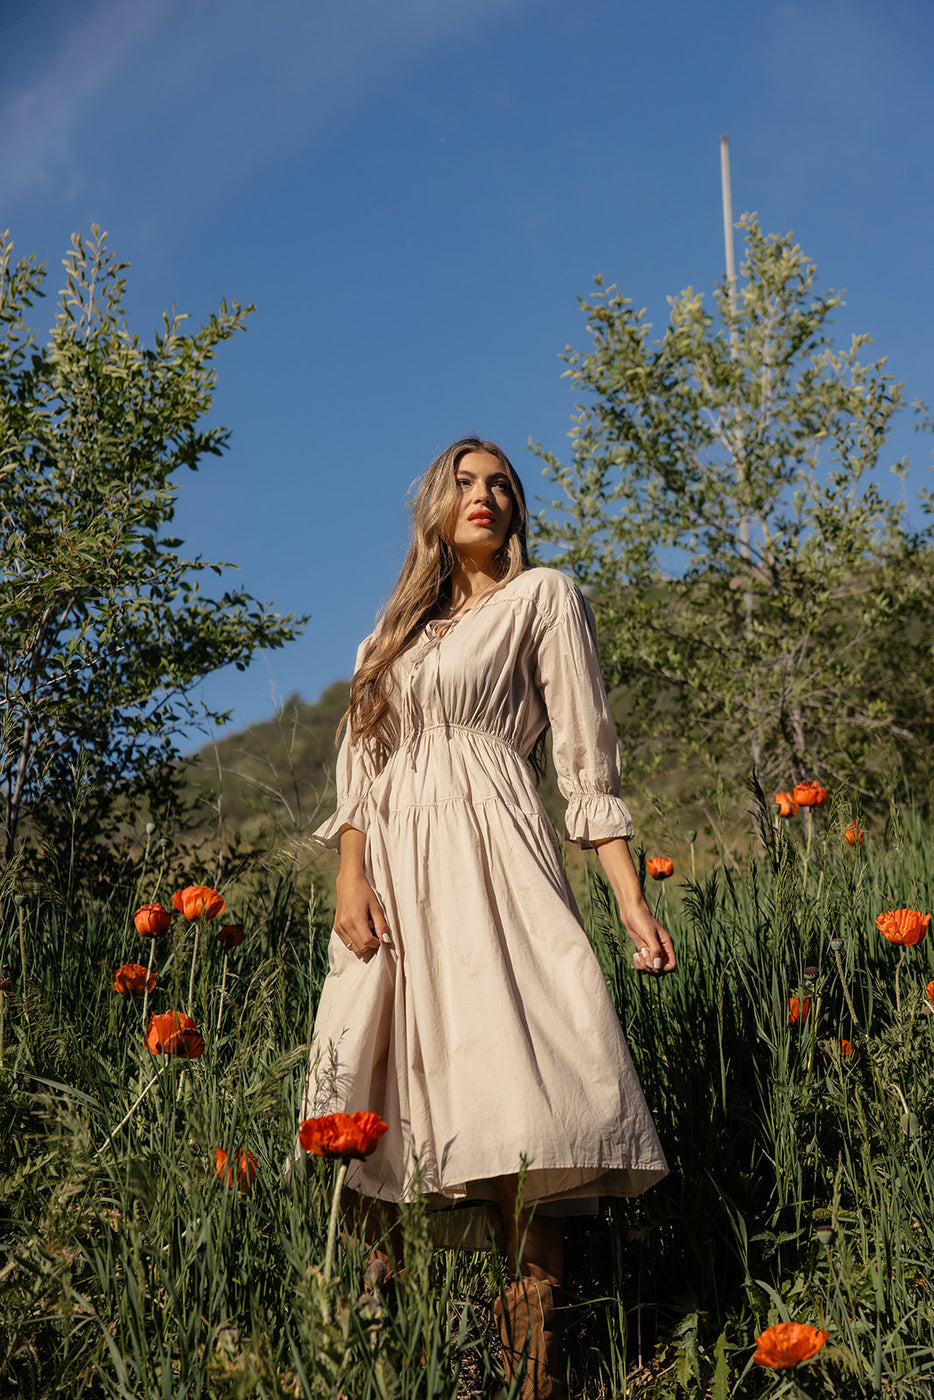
(756, 590)
(103, 627)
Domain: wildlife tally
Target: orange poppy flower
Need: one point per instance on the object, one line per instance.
(152, 920)
(903, 926)
(787, 806)
(231, 935)
(930, 990)
(809, 794)
(244, 1164)
(174, 1033)
(134, 979)
(846, 1048)
(660, 867)
(198, 902)
(787, 1344)
(853, 835)
(796, 1010)
(342, 1134)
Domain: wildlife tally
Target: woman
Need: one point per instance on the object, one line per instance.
(464, 1003)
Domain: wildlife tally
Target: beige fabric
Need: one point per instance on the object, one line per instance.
(485, 1035)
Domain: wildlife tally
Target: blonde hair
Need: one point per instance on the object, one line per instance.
(424, 583)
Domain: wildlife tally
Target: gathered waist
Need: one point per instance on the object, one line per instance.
(412, 737)
(442, 764)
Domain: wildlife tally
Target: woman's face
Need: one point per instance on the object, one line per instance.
(484, 506)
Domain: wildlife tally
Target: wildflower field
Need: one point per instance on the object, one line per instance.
(151, 1246)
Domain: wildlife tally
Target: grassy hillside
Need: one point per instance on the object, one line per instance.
(272, 781)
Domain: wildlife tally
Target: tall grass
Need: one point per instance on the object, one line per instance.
(802, 1176)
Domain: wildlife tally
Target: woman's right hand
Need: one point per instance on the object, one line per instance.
(359, 921)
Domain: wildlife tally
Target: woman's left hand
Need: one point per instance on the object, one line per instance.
(655, 951)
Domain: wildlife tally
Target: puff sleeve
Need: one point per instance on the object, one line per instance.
(584, 742)
(357, 768)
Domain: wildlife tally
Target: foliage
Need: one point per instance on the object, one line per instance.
(800, 1144)
(740, 451)
(103, 627)
(802, 1176)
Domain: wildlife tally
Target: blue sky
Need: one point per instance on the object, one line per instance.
(414, 193)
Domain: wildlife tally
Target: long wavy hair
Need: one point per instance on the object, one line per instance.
(423, 587)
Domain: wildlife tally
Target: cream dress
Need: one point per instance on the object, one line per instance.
(485, 1035)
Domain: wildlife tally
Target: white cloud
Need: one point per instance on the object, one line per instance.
(41, 116)
(304, 59)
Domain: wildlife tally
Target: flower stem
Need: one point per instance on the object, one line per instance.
(129, 1114)
(898, 968)
(152, 949)
(807, 844)
(22, 955)
(194, 959)
(220, 1009)
(846, 991)
(332, 1232)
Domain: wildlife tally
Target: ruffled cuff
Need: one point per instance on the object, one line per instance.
(596, 816)
(351, 812)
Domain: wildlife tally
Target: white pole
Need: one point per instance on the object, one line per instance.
(727, 213)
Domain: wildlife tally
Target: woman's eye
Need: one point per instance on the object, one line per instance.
(502, 485)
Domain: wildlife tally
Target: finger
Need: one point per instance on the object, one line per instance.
(378, 924)
(356, 935)
(364, 940)
(649, 958)
(669, 961)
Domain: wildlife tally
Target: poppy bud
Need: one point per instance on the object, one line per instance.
(343, 1135)
(796, 1010)
(152, 920)
(244, 1163)
(809, 794)
(905, 927)
(133, 979)
(174, 1033)
(787, 1344)
(198, 902)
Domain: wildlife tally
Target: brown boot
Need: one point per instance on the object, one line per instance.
(527, 1314)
